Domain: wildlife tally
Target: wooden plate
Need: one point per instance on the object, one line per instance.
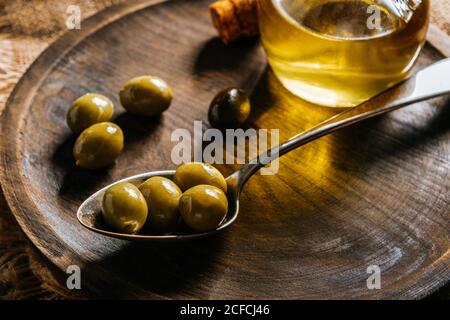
(375, 194)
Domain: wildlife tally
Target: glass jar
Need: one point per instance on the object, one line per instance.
(340, 53)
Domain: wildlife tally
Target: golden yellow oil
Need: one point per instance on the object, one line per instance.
(342, 52)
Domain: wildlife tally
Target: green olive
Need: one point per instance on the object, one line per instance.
(203, 207)
(87, 110)
(195, 173)
(98, 146)
(230, 108)
(124, 208)
(162, 196)
(146, 96)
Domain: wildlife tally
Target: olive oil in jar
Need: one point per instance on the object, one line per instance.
(342, 52)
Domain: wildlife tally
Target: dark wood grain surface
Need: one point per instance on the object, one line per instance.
(377, 193)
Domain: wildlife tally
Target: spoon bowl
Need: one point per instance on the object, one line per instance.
(89, 213)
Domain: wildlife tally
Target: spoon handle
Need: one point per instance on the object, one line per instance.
(431, 82)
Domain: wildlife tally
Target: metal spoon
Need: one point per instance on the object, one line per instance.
(428, 83)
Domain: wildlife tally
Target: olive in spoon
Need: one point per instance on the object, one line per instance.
(428, 83)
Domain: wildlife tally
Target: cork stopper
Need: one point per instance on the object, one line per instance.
(234, 19)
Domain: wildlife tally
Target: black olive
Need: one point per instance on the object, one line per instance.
(230, 108)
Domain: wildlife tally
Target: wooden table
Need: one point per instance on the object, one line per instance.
(24, 272)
